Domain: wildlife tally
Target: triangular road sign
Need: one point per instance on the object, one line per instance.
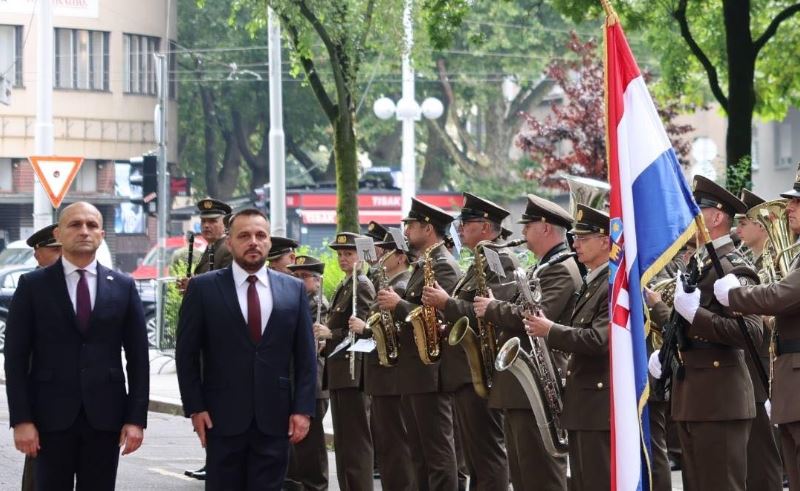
(56, 174)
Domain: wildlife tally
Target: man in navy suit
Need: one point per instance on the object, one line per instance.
(67, 326)
(246, 362)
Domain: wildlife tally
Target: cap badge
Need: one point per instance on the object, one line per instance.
(371, 227)
(342, 239)
(579, 215)
(207, 205)
(300, 261)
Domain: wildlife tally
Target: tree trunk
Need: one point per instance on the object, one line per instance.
(228, 176)
(741, 92)
(346, 159)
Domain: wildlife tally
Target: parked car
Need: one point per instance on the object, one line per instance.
(9, 278)
(177, 248)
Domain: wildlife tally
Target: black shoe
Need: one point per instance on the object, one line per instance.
(199, 474)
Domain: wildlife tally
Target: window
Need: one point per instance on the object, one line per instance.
(784, 145)
(11, 54)
(81, 59)
(6, 181)
(139, 65)
(86, 179)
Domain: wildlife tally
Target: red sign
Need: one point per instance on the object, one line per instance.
(384, 201)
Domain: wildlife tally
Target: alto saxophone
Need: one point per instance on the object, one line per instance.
(535, 370)
(382, 323)
(424, 320)
(480, 347)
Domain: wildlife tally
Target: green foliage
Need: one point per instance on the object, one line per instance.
(738, 176)
(172, 303)
(333, 275)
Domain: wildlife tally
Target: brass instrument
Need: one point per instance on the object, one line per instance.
(535, 370)
(772, 216)
(666, 288)
(384, 330)
(586, 191)
(480, 347)
(424, 320)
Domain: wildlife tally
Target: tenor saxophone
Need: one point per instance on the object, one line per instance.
(481, 346)
(382, 323)
(424, 320)
(536, 370)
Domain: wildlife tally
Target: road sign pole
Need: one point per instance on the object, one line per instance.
(43, 139)
(163, 191)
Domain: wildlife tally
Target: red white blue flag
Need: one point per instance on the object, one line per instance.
(652, 215)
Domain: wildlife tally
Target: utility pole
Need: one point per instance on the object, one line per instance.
(163, 197)
(408, 113)
(43, 139)
(277, 152)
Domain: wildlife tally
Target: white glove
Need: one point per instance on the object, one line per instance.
(686, 304)
(723, 286)
(768, 407)
(653, 365)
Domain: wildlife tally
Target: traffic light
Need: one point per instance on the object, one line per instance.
(143, 179)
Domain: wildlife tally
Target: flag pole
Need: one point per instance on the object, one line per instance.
(611, 14)
(748, 340)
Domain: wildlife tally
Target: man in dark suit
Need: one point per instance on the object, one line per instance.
(236, 359)
(67, 325)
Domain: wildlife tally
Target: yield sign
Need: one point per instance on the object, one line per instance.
(56, 174)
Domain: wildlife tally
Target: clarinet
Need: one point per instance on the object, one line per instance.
(211, 257)
(190, 241)
(351, 335)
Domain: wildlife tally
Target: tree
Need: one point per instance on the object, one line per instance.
(743, 48)
(571, 139)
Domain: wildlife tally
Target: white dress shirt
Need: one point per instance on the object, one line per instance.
(72, 276)
(262, 286)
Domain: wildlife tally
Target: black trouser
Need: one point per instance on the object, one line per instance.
(79, 457)
(249, 461)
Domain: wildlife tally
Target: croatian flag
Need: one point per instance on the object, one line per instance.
(652, 215)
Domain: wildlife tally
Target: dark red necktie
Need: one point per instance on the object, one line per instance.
(253, 310)
(83, 302)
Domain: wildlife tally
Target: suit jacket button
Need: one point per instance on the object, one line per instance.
(599, 385)
(716, 364)
(569, 372)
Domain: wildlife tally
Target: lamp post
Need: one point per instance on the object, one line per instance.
(408, 111)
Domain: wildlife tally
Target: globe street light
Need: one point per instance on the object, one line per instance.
(408, 111)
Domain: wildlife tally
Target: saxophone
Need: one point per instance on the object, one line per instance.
(382, 323)
(535, 370)
(424, 320)
(480, 347)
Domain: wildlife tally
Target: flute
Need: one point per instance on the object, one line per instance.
(190, 241)
(351, 335)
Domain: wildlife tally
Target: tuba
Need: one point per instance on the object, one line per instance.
(778, 258)
(382, 323)
(586, 191)
(536, 370)
(424, 320)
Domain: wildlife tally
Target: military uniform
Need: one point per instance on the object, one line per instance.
(377, 233)
(352, 438)
(280, 247)
(426, 397)
(558, 280)
(586, 397)
(781, 300)
(308, 460)
(222, 258)
(389, 434)
(713, 404)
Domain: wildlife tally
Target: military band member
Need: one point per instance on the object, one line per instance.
(281, 255)
(352, 438)
(389, 434)
(212, 228)
(308, 460)
(782, 300)
(544, 228)
(586, 396)
(377, 233)
(481, 426)
(763, 459)
(427, 401)
(713, 403)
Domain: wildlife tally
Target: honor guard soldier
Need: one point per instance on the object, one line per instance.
(481, 426)
(427, 399)
(46, 249)
(712, 394)
(212, 228)
(381, 377)
(763, 458)
(281, 254)
(345, 378)
(545, 226)
(586, 395)
(308, 460)
(781, 300)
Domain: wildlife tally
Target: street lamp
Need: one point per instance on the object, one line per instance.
(408, 111)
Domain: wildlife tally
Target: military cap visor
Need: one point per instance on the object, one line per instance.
(43, 238)
(281, 246)
(795, 191)
(542, 210)
(425, 213)
(477, 208)
(590, 221)
(376, 231)
(213, 208)
(750, 200)
(307, 263)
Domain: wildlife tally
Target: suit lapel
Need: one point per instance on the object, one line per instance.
(103, 291)
(227, 288)
(279, 292)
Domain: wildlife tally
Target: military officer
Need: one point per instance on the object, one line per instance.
(308, 460)
(781, 300)
(46, 249)
(713, 403)
(545, 226)
(586, 396)
(389, 433)
(427, 401)
(212, 228)
(763, 459)
(281, 254)
(352, 438)
(481, 426)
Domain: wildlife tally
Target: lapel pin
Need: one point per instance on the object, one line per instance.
(110, 278)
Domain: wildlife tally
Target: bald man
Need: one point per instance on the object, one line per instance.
(67, 325)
